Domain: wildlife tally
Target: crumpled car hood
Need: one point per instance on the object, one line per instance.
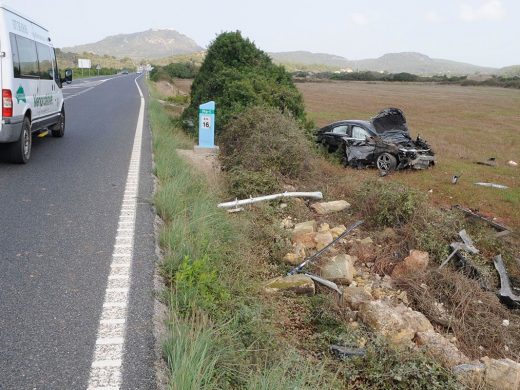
(397, 137)
(389, 119)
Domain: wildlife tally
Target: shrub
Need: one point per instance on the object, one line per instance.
(387, 204)
(261, 148)
(181, 70)
(236, 75)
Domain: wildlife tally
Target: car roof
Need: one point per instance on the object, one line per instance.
(366, 124)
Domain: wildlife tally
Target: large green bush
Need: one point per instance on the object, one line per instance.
(182, 70)
(236, 75)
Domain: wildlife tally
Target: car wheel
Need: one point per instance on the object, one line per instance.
(19, 152)
(386, 162)
(58, 130)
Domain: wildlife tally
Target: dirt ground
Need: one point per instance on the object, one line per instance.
(463, 124)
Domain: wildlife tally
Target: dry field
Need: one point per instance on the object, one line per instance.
(463, 125)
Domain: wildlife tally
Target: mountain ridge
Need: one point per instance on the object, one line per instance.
(152, 43)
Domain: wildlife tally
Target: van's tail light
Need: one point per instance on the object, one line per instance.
(7, 103)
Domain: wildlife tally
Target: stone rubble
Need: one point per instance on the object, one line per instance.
(375, 301)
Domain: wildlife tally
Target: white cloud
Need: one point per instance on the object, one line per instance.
(489, 10)
(359, 19)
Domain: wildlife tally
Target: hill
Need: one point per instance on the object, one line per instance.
(152, 43)
(410, 62)
(510, 71)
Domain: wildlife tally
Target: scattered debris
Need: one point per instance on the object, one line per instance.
(467, 245)
(325, 282)
(491, 162)
(492, 185)
(325, 208)
(506, 294)
(315, 256)
(502, 229)
(455, 179)
(236, 203)
(512, 163)
(343, 353)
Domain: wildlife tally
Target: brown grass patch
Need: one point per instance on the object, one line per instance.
(475, 317)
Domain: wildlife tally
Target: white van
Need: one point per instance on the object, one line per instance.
(32, 101)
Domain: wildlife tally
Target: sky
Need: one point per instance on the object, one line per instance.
(481, 32)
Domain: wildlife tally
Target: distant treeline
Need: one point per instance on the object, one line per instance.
(181, 70)
(493, 81)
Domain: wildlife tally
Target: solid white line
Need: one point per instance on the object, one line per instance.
(112, 358)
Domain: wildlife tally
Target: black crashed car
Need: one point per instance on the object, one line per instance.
(383, 141)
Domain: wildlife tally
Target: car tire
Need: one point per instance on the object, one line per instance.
(386, 162)
(19, 152)
(58, 130)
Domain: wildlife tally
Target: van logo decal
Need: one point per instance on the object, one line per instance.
(20, 95)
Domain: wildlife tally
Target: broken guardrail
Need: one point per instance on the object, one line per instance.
(237, 203)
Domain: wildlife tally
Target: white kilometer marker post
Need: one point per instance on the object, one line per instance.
(105, 372)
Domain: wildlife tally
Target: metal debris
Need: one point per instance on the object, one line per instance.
(492, 185)
(325, 282)
(467, 245)
(342, 353)
(506, 294)
(502, 229)
(311, 259)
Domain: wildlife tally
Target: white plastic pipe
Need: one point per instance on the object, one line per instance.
(236, 203)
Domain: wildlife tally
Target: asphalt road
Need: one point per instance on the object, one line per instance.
(58, 224)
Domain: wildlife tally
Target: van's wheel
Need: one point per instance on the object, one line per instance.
(19, 152)
(386, 162)
(58, 130)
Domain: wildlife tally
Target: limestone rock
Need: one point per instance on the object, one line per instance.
(472, 375)
(355, 296)
(324, 208)
(503, 374)
(340, 269)
(304, 227)
(366, 241)
(324, 227)
(299, 284)
(323, 239)
(440, 348)
(338, 230)
(292, 259)
(416, 262)
(399, 323)
(305, 240)
(303, 233)
(512, 163)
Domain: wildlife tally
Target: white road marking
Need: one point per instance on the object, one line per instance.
(105, 371)
(89, 84)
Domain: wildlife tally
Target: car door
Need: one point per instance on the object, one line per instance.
(334, 136)
(359, 146)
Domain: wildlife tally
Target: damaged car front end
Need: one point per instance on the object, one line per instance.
(383, 142)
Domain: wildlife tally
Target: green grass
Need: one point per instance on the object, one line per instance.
(219, 332)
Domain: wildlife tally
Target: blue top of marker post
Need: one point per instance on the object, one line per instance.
(207, 108)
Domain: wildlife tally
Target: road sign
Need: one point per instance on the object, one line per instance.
(84, 63)
(207, 125)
